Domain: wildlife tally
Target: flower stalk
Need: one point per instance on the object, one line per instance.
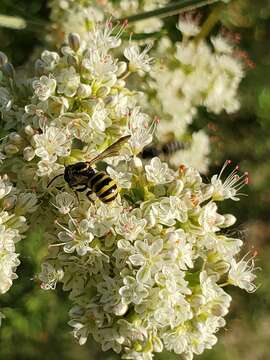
(210, 22)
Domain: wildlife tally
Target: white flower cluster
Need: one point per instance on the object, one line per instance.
(79, 16)
(77, 105)
(72, 15)
(198, 75)
(13, 224)
(175, 109)
(147, 272)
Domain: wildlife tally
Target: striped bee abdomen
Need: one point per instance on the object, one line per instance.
(171, 147)
(104, 187)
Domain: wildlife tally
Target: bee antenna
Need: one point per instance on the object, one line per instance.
(57, 176)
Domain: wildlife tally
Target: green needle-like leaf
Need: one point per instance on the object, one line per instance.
(144, 36)
(174, 8)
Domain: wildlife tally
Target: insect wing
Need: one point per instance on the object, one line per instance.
(112, 150)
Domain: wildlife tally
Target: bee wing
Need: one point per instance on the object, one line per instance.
(112, 150)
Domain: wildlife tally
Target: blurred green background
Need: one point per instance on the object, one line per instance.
(36, 321)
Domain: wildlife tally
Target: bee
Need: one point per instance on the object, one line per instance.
(82, 177)
(166, 149)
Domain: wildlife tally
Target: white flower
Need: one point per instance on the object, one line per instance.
(50, 60)
(214, 299)
(5, 186)
(188, 25)
(8, 264)
(141, 136)
(100, 66)
(167, 211)
(8, 237)
(221, 45)
(110, 296)
(229, 189)
(232, 67)
(26, 203)
(48, 167)
(132, 291)
(147, 257)
(44, 87)
(68, 81)
(138, 60)
(179, 250)
(52, 143)
(106, 37)
(123, 179)
(173, 280)
(100, 120)
(158, 172)
(49, 276)
(241, 274)
(177, 340)
(78, 237)
(5, 99)
(209, 219)
(130, 226)
(64, 202)
(196, 154)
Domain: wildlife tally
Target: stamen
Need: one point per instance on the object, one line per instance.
(227, 162)
(64, 228)
(55, 245)
(74, 223)
(234, 182)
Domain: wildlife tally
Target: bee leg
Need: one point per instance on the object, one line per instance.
(82, 188)
(88, 194)
(77, 197)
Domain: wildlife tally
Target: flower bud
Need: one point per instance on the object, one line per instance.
(74, 41)
(15, 138)
(11, 149)
(9, 70)
(103, 91)
(39, 68)
(9, 202)
(29, 130)
(176, 188)
(220, 267)
(3, 59)
(217, 310)
(28, 153)
(137, 162)
(110, 101)
(72, 60)
(122, 67)
(84, 91)
(229, 220)
(120, 83)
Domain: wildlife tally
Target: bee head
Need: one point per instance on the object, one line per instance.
(78, 174)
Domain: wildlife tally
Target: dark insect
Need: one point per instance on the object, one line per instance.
(166, 149)
(81, 176)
